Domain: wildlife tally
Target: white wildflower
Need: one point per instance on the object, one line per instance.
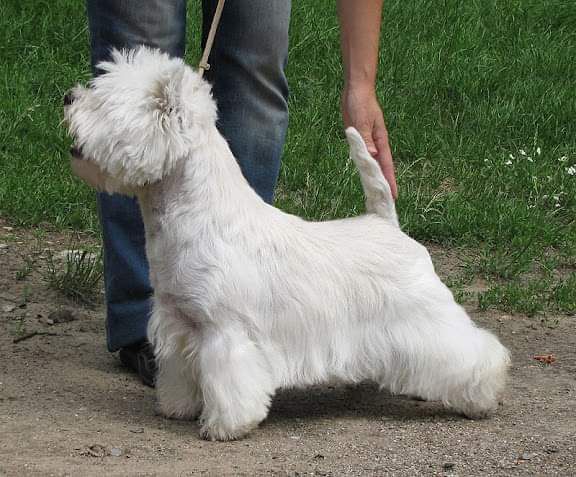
(563, 159)
(508, 163)
(529, 159)
(571, 170)
(510, 156)
(522, 152)
(538, 151)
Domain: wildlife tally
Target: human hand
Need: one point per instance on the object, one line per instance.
(361, 110)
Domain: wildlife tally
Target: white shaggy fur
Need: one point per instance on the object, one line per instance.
(249, 299)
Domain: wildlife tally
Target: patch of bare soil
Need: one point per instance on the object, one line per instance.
(67, 407)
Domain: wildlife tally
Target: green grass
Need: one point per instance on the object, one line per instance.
(464, 85)
(77, 275)
(532, 297)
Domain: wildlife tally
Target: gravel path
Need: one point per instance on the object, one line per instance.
(68, 408)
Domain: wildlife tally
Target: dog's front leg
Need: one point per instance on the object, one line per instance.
(236, 384)
(175, 348)
(177, 387)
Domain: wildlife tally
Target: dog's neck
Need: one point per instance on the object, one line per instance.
(208, 185)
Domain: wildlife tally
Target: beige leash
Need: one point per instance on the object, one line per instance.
(204, 65)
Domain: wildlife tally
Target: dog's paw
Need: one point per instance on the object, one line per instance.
(215, 427)
(179, 411)
(218, 432)
(477, 410)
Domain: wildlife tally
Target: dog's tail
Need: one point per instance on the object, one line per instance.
(379, 198)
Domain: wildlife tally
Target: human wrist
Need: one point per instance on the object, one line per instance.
(359, 88)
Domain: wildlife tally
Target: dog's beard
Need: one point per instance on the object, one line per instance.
(89, 173)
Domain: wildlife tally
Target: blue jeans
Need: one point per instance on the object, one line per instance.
(249, 84)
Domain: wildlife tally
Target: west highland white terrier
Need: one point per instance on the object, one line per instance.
(249, 299)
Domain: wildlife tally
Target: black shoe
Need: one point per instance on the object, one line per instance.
(140, 358)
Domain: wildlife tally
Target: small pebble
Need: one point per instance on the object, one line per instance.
(62, 316)
(116, 452)
(8, 308)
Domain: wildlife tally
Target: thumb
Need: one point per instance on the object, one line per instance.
(366, 134)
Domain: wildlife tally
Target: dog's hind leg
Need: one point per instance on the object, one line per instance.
(236, 384)
(379, 198)
(446, 358)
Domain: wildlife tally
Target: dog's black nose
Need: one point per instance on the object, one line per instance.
(68, 99)
(75, 152)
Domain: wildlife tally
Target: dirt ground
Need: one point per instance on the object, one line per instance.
(67, 407)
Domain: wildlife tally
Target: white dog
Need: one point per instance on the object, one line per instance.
(249, 299)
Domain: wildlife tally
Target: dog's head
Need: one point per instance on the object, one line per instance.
(135, 121)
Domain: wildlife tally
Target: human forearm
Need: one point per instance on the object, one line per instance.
(360, 22)
(359, 38)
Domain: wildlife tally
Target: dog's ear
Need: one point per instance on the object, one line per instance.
(183, 104)
(167, 99)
